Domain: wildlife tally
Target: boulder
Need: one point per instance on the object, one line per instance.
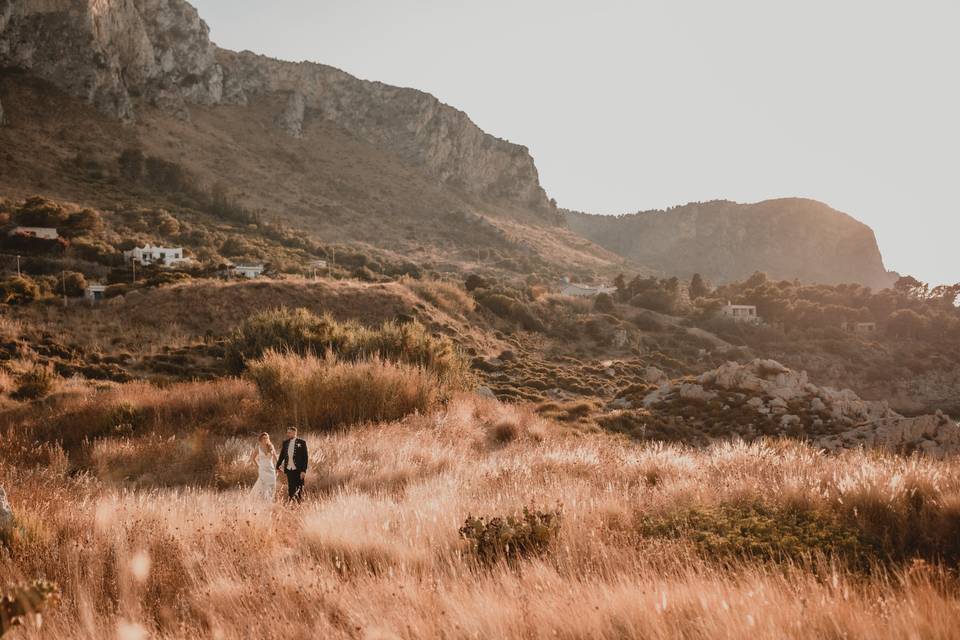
(485, 392)
(696, 393)
(6, 515)
(654, 375)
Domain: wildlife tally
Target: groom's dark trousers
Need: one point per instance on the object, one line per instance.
(294, 484)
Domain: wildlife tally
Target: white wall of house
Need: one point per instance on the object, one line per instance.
(156, 255)
(47, 233)
(94, 291)
(249, 270)
(740, 313)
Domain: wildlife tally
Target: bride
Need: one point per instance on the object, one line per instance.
(265, 457)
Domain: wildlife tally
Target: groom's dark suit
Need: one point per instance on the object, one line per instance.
(300, 459)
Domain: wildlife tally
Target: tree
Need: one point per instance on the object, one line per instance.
(603, 303)
(906, 323)
(72, 284)
(620, 282)
(910, 286)
(85, 221)
(698, 288)
(754, 281)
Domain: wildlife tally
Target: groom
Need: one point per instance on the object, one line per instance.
(293, 460)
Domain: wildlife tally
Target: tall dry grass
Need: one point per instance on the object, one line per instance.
(446, 296)
(323, 393)
(374, 551)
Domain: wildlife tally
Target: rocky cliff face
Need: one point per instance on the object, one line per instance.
(118, 53)
(111, 52)
(724, 241)
(410, 123)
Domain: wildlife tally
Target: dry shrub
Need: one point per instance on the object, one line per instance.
(300, 331)
(19, 603)
(327, 393)
(446, 296)
(157, 461)
(35, 382)
(512, 537)
(225, 406)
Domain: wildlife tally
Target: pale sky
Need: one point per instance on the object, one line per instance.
(632, 105)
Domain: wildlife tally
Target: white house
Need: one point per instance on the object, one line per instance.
(165, 256)
(248, 270)
(44, 233)
(740, 313)
(94, 292)
(568, 288)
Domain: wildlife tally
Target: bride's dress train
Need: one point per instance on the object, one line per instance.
(266, 486)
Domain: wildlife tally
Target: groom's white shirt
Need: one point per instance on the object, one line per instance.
(290, 465)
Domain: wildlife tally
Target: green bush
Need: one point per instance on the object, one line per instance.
(512, 537)
(759, 531)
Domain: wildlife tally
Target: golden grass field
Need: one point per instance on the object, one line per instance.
(374, 551)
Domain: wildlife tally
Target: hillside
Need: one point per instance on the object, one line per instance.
(788, 238)
(300, 144)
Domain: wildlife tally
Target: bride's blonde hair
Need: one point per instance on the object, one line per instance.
(269, 441)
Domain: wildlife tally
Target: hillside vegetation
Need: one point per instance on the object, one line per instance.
(770, 540)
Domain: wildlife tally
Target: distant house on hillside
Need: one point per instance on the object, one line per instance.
(859, 327)
(740, 313)
(577, 290)
(164, 256)
(44, 233)
(249, 271)
(94, 292)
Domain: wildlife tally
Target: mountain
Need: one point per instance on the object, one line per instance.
(159, 51)
(788, 238)
(83, 82)
(303, 144)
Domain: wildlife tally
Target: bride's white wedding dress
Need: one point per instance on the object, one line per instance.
(266, 486)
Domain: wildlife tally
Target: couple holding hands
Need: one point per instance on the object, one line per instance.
(292, 459)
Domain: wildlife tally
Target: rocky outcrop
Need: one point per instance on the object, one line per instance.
(6, 515)
(410, 123)
(115, 53)
(764, 394)
(934, 435)
(291, 120)
(109, 52)
(724, 241)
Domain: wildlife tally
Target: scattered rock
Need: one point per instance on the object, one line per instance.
(696, 393)
(487, 364)
(654, 375)
(620, 404)
(6, 515)
(485, 392)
